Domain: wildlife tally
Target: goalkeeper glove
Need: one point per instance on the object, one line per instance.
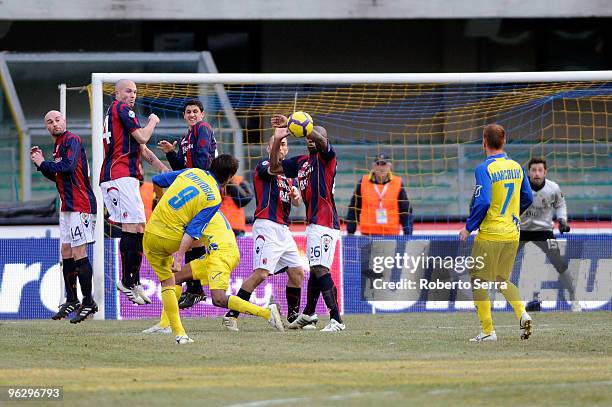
(563, 226)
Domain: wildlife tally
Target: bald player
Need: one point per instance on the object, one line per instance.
(124, 145)
(70, 172)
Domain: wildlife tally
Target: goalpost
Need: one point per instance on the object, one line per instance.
(430, 124)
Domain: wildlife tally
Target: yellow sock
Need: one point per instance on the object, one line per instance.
(172, 311)
(244, 307)
(513, 297)
(483, 309)
(164, 321)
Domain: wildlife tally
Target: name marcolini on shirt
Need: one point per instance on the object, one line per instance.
(504, 175)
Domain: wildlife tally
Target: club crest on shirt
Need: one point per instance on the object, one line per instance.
(326, 242)
(259, 242)
(131, 114)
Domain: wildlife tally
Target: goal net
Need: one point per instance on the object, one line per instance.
(429, 125)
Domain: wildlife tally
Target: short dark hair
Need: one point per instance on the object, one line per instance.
(193, 102)
(224, 167)
(536, 160)
(495, 136)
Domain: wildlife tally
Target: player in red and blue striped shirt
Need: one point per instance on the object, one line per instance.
(272, 193)
(316, 173)
(197, 149)
(124, 145)
(274, 249)
(70, 172)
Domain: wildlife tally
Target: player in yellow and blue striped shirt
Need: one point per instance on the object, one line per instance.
(187, 212)
(502, 193)
(177, 221)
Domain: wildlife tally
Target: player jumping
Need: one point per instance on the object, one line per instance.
(124, 145)
(316, 174)
(274, 249)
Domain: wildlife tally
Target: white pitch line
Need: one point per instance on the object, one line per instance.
(271, 402)
(274, 402)
(358, 394)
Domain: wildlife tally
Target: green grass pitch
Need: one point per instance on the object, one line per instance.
(400, 359)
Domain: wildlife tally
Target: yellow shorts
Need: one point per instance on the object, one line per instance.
(497, 257)
(215, 268)
(159, 253)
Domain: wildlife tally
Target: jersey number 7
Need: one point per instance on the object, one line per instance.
(510, 187)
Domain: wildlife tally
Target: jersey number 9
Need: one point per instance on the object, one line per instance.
(184, 195)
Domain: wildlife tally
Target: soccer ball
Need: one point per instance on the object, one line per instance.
(300, 124)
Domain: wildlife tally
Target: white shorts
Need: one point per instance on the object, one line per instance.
(123, 201)
(273, 247)
(321, 245)
(77, 228)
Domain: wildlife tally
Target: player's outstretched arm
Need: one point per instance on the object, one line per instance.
(143, 135)
(276, 167)
(278, 120)
(152, 159)
(165, 179)
(175, 160)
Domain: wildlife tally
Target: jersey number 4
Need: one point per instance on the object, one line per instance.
(184, 195)
(510, 187)
(107, 134)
